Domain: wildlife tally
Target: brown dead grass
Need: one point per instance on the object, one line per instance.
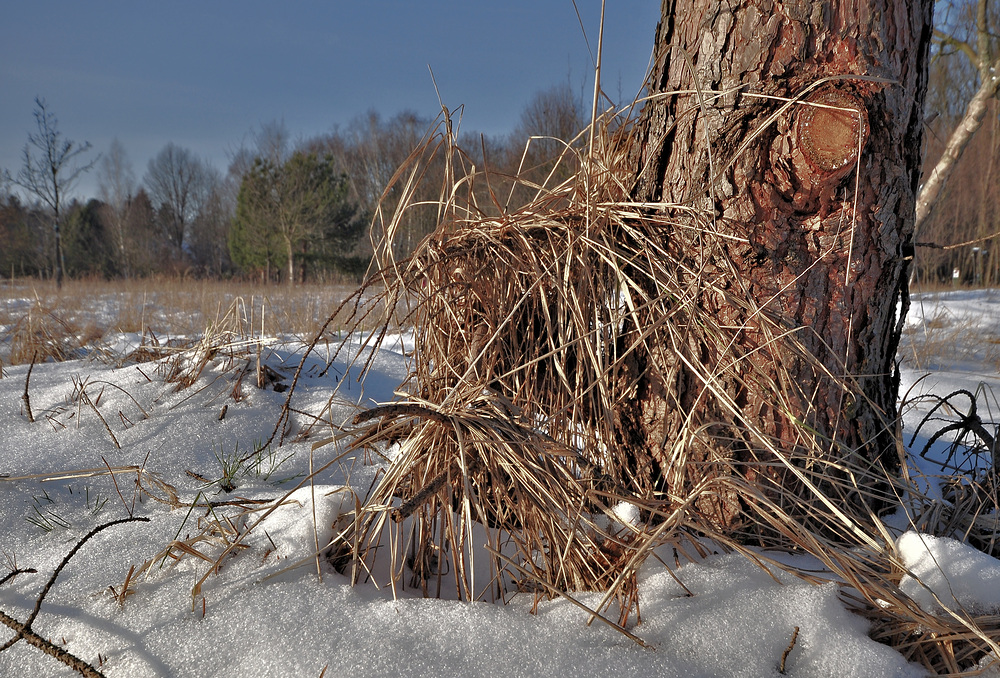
(944, 339)
(506, 425)
(38, 320)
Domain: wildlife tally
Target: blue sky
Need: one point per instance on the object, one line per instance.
(203, 74)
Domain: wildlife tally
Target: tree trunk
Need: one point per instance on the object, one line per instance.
(793, 230)
(60, 259)
(291, 261)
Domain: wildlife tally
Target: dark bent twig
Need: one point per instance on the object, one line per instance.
(79, 544)
(24, 631)
(970, 422)
(32, 638)
(16, 571)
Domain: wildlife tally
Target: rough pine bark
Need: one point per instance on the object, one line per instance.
(804, 221)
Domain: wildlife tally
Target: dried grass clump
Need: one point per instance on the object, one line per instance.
(43, 334)
(534, 325)
(528, 327)
(510, 422)
(233, 344)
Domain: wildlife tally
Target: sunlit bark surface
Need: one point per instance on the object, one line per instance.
(794, 129)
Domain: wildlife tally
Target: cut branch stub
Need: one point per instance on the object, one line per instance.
(831, 133)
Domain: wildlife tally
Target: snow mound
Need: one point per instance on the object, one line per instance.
(959, 575)
(740, 619)
(290, 526)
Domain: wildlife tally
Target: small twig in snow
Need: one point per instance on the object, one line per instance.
(25, 397)
(784, 655)
(85, 398)
(24, 631)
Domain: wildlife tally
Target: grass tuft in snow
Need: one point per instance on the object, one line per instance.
(506, 431)
(261, 463)
(43, 333)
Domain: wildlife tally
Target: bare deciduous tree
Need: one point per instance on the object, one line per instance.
(549, 124)
(209, 240)
(373, 149)
(50, 171)
(178, 184)
(116, 187)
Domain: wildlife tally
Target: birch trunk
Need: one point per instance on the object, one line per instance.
(957, 142)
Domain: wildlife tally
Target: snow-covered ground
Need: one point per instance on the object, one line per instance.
(267, 611)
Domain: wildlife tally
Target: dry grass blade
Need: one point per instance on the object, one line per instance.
(146, 481)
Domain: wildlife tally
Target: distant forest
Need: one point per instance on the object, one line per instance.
(289, 210)
(282, 210)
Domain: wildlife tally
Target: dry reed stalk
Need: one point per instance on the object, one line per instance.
(25, 397)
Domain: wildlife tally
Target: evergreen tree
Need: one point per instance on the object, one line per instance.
(293, 215)
(86, 246)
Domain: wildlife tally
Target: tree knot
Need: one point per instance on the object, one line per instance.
(831, 129)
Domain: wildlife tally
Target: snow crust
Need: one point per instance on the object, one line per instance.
(268, 612)
(943, 571)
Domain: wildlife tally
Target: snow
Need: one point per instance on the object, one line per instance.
(945, 572)
(268, 612)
